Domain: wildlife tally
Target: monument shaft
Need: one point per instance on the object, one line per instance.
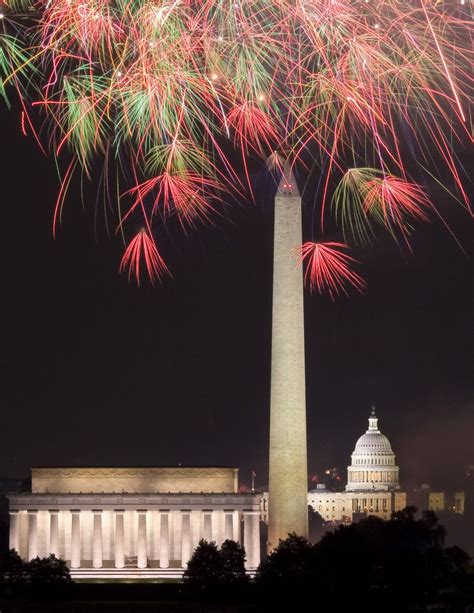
(288, 486)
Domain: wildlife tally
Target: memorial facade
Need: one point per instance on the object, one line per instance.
(124, 522)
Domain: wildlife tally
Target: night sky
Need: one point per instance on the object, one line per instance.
(98, 372)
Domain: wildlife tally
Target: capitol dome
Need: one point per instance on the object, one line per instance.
(373, 461)
(373, 442)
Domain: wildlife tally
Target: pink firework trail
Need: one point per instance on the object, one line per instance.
(142, 251)
(395, 200)
(328, 269)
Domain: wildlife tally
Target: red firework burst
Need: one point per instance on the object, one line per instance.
(182, 193)
(328, 269)
(393, 200)
(142, 250)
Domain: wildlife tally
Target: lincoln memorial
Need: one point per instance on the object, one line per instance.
(131, 522)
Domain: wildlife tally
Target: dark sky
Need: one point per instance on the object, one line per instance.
(96, 371)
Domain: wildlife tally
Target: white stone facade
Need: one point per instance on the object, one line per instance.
(342, 506)
(372, 462)
(118, 534)
(372, 482)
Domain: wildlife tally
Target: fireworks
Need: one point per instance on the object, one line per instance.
(166, 96)
(328, 268)
(142, 247)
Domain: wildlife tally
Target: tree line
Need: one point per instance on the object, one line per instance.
(404, 559)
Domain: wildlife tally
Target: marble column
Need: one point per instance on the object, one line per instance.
(252, 538)
(207, 526)
(32, 534)
(164, 539)
(119, 539)
(142, 561)
(185, 537)
(76, 539)
(228, 525)
(15, 531)
(248, 537)
(237, 528)
(54, 532)
(97, 545)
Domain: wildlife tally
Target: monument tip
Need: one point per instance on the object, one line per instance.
(288, 185)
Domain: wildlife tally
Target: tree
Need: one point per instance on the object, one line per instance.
(458, 561)
(39, 571)
(233, 563)
(403, 559)
(349, 557)
(406, 514)
(13, 569)
(210, 567)
(316, 525)
(50, 570)
(205, 568)
(292, 563)
(438, 531)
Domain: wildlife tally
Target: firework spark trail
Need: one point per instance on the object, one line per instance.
(164, 92)
(446, 70)
(328, 269)
(142, 247)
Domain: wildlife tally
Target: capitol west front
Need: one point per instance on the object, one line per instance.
(373, 486)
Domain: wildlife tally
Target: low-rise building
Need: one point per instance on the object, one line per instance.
(426, 498)
(125, 522)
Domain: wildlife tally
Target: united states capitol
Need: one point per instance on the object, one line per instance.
(373, 486)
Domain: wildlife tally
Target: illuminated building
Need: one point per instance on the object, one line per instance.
(426, 498)
(126, 522)
(372, 488)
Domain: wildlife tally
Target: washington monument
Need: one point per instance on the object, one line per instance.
(288, 485)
